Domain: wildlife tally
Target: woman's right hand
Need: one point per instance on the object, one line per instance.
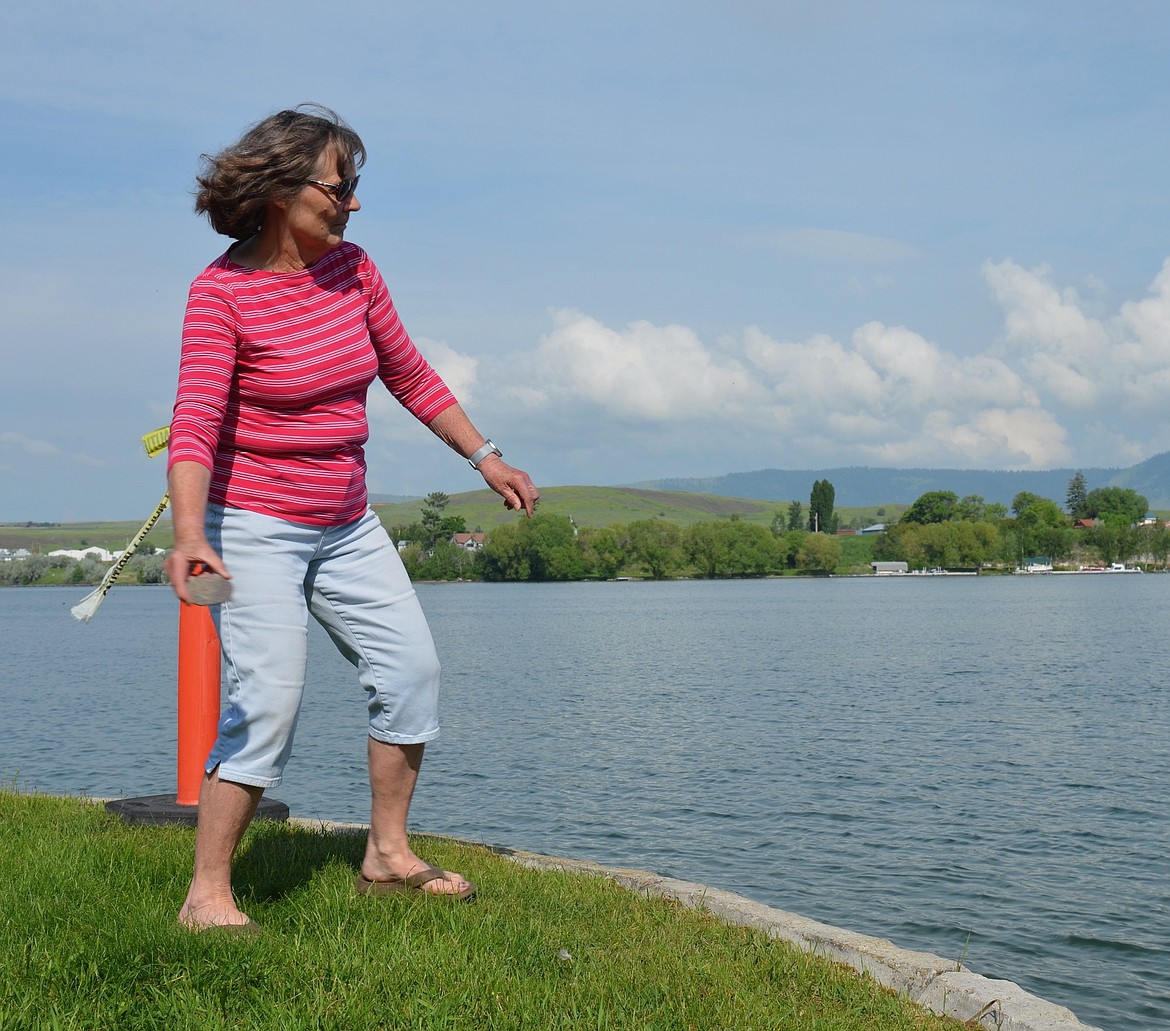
(188, 483)
(185, 556)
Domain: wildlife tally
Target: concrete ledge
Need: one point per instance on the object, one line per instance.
(941, 986)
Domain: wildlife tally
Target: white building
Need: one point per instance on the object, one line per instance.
(99, 553)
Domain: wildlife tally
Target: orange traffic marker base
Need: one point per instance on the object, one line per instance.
(161, 809)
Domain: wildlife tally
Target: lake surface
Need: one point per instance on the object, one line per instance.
(976, 767)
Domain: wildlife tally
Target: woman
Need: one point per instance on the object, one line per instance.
(282, 336)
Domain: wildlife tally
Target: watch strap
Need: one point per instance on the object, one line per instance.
(480, 453)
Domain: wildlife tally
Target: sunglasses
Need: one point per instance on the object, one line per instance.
(341, 191)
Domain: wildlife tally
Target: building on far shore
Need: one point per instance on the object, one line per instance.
(99, 553)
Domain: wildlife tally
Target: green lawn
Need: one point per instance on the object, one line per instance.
(90, 941)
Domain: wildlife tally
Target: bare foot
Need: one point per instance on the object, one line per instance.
(449, 884)
(200, 918)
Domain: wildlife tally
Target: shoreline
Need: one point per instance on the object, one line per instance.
(941, 986)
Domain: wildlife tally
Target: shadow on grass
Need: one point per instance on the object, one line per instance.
(277, 860)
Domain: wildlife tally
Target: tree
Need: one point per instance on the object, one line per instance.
(1041, 527)
(148, 569)
(958, 544)
(505, 554)
(819, 553)
(553, 548)
(730, 548)
(541, 548)
(988, 539)
(1105, 539)
(903, 542)
(1077, 496)
(1155, 542)
(444, 561)
(706, 546)
(788, 547)
(935, 506)
(751, 550)
(1054, 541)
(601, 552)
(432, 517)
(820, 508)
(1119, 506)
(973, 509)
(654, 543)
(1023, 501)
(795, 511)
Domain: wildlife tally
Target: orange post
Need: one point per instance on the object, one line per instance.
(198, 697)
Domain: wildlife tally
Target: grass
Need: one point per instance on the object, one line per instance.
(112, 536)
(90, 941)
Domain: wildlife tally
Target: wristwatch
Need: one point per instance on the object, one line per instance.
(480, 453)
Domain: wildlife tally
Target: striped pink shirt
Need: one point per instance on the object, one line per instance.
(272, 383)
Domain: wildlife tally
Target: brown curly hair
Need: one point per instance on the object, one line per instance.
(271, 161)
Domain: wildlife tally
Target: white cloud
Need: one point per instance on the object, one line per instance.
(1066, 353)
(459, 371)
(659, 373)
(1079, 360)
(819, 371)
(889, 395)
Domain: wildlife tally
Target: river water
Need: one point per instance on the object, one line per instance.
(976, 767)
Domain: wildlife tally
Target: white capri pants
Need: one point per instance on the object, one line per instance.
(353, 582)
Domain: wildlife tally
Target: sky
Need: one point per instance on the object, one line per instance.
(639, 240)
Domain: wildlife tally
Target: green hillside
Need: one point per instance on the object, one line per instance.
(481, 509)
(608, 506)
(592, 506)
(40, 537)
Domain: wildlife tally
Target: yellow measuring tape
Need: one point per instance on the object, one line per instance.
(155, 443)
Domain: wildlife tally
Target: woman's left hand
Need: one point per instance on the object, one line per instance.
(513, 485)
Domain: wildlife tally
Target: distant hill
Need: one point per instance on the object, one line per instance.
(591, 506)
(1151, 478)
(858, 486)
(392, 499)
(873, 495)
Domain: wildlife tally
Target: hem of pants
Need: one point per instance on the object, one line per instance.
(247, 779)
(405, 739)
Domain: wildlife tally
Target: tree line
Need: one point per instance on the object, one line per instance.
(146, 567)
(1103, 525)
(939, 529)
(551, 547)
